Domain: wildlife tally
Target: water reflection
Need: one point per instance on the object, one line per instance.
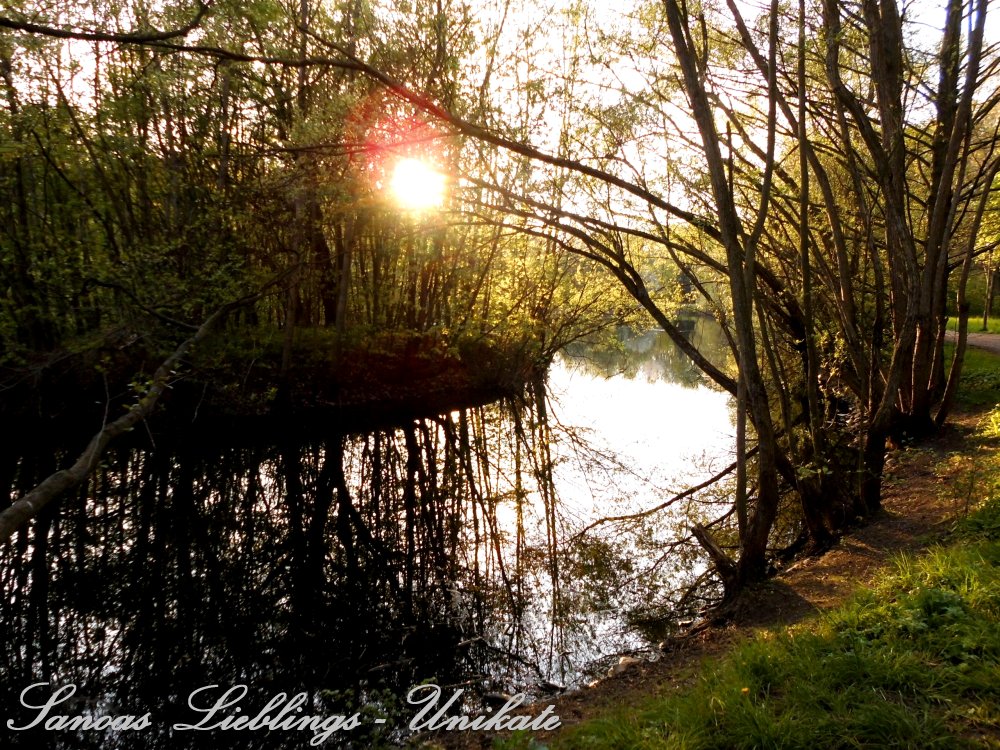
(350, 568)
(637, 426)
(354, 567)
(650, 354)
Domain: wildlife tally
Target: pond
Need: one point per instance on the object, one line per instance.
(465, 549)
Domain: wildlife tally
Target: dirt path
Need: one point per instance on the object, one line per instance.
(988, 341)
(922, 497)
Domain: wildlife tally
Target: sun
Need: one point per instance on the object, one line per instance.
(417, 185)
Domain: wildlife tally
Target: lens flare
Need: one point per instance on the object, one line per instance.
(417, 185)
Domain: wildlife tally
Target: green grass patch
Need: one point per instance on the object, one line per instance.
(976, 324)
(913, 662)
(980, 383)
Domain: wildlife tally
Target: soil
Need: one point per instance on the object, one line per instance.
(921, 501)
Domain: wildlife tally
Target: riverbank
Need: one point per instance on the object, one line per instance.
(910, 660)
(237, 387)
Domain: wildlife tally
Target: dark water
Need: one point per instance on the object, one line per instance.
(352, 568)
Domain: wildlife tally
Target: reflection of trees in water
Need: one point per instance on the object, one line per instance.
(352, 568)
(651, 353)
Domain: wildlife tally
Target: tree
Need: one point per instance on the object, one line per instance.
(816, 195)
(161, 172)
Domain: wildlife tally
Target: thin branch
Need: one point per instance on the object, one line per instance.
(664, 505)
(101, 36)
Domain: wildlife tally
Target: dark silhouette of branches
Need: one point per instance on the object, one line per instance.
(148, 37)
(57, 484)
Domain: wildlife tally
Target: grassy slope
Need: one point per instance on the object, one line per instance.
(913, 662)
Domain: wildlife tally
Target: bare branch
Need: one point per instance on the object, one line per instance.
(664, 505)
(101, 36)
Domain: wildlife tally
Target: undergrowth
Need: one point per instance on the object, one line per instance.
(980, 380)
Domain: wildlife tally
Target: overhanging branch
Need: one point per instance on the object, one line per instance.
(101, 36)
(62, 481)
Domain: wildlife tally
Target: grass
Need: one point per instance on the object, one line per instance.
(976, 324)
(980, 382)
(975, 295)
(913, 662)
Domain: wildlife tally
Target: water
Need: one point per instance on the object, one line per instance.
(633, 428)
(461, 549)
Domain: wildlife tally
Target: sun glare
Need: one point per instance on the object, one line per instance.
(417, 185)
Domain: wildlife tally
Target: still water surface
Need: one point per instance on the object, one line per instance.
(461, 549)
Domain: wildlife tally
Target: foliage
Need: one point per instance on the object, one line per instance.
(980, 379)
(143, 187)
(815, 198)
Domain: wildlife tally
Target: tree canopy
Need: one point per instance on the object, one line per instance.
(817, 177)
